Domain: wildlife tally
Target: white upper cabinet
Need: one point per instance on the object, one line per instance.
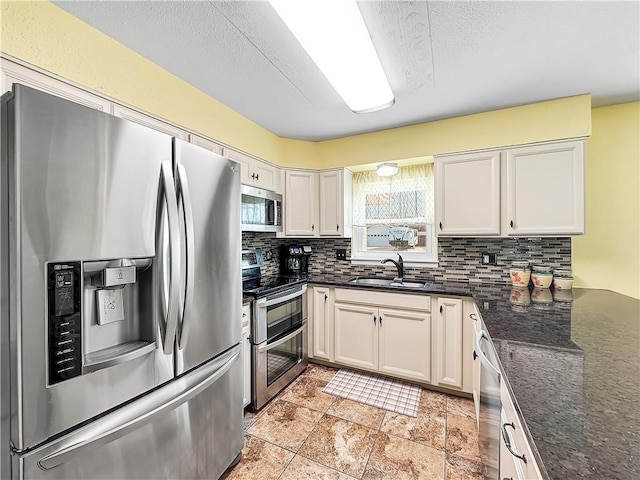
(532, 190)
(335, 203)
(205, 143)
(545, 189)
(147, 121)
(468, 194)
(317, 204)
(13, 73)
(254, 171)
(301, 203)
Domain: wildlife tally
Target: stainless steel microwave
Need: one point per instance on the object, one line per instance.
(261, 210)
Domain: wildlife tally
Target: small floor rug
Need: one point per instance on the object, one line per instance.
(376, 391)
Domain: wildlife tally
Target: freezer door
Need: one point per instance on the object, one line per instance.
(190, 428)
(208, 188)
(83, 187)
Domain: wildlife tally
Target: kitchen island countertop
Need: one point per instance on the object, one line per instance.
(573, 366)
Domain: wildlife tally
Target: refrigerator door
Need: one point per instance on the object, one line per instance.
(83, 190)
(190, 428)
(208, 188)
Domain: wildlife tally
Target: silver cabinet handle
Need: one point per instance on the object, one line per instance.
(270, 346)
(139, 413)
(185, 197)
(507, 441)
(483, 358)
(170, 198)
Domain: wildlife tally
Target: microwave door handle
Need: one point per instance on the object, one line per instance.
(483, 358)
(282, 340)
(174, 255)
(184, 195)
(264, 303)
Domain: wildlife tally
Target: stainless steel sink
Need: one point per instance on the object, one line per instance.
(386, 282)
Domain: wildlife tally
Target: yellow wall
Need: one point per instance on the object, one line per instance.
(44, 35)
(608, 256)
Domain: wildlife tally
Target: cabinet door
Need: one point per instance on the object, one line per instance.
(405, 344)
(331, 203)
(13, 73)
(545, 189)
(300, 203)
(267, 176)
(245, 162)
(205, 143)
(321, 336)
(246, 366)
(468, 194)
(147, 121)
(448, 343)
(356, 335)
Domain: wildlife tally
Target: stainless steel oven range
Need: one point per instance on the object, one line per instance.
(278, 328)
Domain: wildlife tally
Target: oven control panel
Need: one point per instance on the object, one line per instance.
(64, 339)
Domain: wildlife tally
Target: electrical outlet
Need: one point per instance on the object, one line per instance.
(488, 258)
(341, 253)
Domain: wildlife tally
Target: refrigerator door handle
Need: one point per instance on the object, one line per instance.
(184, 195)
(170, 197)
(139, 413)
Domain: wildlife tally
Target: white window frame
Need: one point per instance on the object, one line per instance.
(422, 259)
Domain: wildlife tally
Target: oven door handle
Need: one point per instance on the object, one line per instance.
(279, 342)
(264, 303)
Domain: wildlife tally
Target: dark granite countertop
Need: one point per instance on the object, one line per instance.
(573, 365)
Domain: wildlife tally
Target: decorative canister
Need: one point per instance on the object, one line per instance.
(520, 273)
(562, 280)
(541, 276)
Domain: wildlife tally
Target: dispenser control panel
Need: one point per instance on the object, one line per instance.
(64, 321)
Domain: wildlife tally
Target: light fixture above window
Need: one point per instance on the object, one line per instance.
(334, 35)
(387, 169)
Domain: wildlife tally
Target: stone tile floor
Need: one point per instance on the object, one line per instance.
(307, 434)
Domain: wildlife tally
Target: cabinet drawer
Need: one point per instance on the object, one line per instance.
(519, 444)
(385, 299)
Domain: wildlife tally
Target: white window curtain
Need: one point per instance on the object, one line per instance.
(406, 197)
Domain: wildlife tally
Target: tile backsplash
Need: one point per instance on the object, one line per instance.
(459, 259)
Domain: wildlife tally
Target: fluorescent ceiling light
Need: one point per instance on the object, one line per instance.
(334, 35)
(387, 169)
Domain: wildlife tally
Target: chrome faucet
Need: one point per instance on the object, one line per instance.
(399, 265)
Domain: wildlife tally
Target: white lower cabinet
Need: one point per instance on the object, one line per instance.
(356, 335)
(374, 332)
(448, 347)
(320, 326)
(246, 356)
(403, 343)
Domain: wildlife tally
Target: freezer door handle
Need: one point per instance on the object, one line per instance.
(184, 195)
(139, 413)
(171, 201)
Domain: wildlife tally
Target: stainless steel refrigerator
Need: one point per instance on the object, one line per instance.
(120, 298)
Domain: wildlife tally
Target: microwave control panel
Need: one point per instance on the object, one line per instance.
(64, 339)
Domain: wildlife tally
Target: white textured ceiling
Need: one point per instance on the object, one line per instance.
(443, 59)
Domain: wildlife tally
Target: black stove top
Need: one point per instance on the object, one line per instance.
(262, 286)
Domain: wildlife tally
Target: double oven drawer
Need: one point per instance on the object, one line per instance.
(279, 338)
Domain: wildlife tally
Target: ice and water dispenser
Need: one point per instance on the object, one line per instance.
(99, 314)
